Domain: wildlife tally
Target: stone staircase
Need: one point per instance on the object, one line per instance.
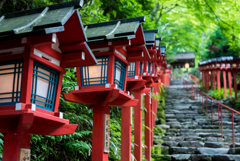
(190, 134)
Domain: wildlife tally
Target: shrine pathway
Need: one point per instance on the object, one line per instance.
(190, 135)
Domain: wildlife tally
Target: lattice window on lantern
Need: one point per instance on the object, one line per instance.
(148, 66)
(155, 69)
(10, 82)
(140, 68)
(132, 69)
(95, 74)
(44, 85)
(119, 73)
(143, 67)
(151, 68)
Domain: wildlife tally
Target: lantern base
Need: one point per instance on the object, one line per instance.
(34, 122)
(135, 84)
(111, 96)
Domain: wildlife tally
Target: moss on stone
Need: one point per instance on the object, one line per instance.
(156, 150)
(158, 131)
(158, 157)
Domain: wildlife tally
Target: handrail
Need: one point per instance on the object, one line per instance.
(194, 78)
(196, 91)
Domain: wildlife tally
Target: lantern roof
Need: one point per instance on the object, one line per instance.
(117, 30)
(45, 20)
(56, 27)
(149, 36)
(158, 42)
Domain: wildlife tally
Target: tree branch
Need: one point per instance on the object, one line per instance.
(160, 14)
(2, 3)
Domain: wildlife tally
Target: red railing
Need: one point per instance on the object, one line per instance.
(201, 97)
(193, 78)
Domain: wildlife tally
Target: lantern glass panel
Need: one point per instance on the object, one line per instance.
(44, 85)
(155, 69)
(148, 65)
(162, 49)
(11, 81)
(95, 74)
(132, 69)
(143, 67)
(140, 68)
(119, 73)
(151, 68)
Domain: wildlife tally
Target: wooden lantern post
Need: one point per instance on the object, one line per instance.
(32, 62)
(150, 75)
(104, 84)
(136, 85)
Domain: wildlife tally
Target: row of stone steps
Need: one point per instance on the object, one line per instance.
(193, 135)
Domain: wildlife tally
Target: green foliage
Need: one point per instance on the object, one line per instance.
(158, 131)
(219, 95)
(158, 157)
(1, 144)
(156, 150)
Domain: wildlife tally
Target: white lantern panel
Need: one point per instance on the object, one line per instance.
(10, 82)
(119, 74)
(95, 74)
(132, 69)
(44, 86)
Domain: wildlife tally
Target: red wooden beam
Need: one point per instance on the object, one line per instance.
(51, 129)
(25, 122)
(121, 43)
(40, 40)
(135, 54)
(71, 57)
(122, 102)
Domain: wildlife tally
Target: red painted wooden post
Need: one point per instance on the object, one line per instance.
(27, 80)
(218, 80)
(138, 128)
(224, 83)
(12, 144)
(208, 79)
(148, 128)
(214, 80)
(230, 84)
(98, 133)
(203, 79)
(235, 84)
(126, 134)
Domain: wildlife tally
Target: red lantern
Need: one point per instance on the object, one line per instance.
(114, 44)
(36, 47)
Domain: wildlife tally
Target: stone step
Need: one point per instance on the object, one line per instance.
(196, 157)
(216, 145)
(211, 151)
(183, 150)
